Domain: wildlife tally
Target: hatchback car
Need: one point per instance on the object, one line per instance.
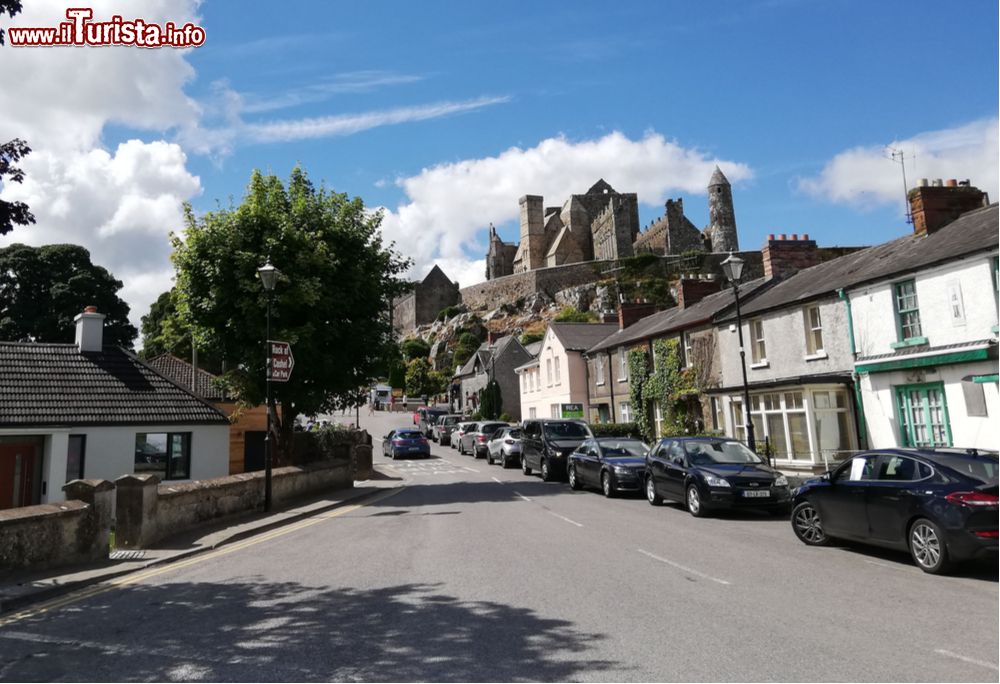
(546, 444)
(428, 418)
(941, 505)
(405, 442)
(614, 464)
(476, 437)
(504, 447)
(456, 434)
(708, 473)
(445, 425)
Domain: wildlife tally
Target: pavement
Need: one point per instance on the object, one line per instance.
(19, 589)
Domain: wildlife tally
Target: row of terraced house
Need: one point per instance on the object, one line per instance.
(889, 345)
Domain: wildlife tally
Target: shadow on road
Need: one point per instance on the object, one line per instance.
(252, 630)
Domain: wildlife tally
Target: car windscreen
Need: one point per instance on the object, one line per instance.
(408, 434)
(982, 467)
(490, 428)
(567, 430)
(449, 420)
(709, 451)
(624, 447)
(514, 434)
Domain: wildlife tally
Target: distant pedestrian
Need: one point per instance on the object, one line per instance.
(371, 408)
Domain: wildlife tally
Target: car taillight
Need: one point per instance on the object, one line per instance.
(986, 534)
(975, 499)
(509, 441)
(423, 440)
(397, 442)
(480, 438)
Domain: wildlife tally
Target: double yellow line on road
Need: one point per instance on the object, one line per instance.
(141, 576)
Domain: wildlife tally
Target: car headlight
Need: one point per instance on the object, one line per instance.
(619, 470)
(781, 481)
(713, 481)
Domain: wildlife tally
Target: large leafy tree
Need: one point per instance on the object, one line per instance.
(43, 288)
(331, 301)
(165, 332)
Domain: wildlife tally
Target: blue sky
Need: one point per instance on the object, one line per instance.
(445, 113)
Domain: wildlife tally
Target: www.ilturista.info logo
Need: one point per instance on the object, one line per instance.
(80, 30)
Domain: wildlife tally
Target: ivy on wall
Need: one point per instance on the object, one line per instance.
(670, 385)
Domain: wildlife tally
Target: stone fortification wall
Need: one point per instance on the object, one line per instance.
(508, 289)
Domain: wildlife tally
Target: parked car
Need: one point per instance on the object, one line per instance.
(614, 464)
(456, 435)
(709, 473)
(546, 444)
(504, 447)
(428, 417)
(476, 437)
(445, 425)
(941, 505)
(405, 442)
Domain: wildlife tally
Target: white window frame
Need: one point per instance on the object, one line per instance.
(622, 364)
(558, 374)
(599, 369)
(555, 411)
(688, 348)
(532, 412)
(548, 370)
(758, 346)
(658, 419)
(625, 409)
(812, 330)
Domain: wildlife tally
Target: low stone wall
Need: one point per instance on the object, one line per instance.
(69, 532)
(148, 511)
(508, 289)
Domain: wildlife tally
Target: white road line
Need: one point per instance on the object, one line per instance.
(981, 663)
(681, 567)
(497, 481)
(562, 517)
(522, 496)
(471, 470)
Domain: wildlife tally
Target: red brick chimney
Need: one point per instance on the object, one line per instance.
(783, 256)
(690, 291)
(630, 312)
(937, 204)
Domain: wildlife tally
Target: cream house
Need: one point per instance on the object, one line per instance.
(554, 383)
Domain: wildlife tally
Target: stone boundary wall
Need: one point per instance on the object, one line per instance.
(148, 511)
(69, 532)
(491, 294)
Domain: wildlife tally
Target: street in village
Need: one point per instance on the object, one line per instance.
(460, 571)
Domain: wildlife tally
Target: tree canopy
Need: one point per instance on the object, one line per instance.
(331, 301)
(42, 289)
(11, 152)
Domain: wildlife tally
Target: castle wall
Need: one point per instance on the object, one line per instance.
(491, 294)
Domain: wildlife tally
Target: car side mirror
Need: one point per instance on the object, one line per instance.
(678, 460)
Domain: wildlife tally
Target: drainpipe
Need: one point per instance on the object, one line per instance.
(609, 376)
(859, 407)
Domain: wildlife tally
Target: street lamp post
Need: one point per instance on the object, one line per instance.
(733, 268)
(268, 278)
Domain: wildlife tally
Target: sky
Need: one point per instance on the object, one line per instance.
(443, 114)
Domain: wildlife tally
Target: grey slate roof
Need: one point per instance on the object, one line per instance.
(53, 385)
(533, 348)
(581, 336)
(179, 371)
(972, 232)
(674, 318)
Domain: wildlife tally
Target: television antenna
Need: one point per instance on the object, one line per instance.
(899, 156)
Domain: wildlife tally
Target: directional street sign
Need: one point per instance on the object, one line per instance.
(282, 361)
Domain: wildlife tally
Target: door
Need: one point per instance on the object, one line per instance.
(253, 450)
(656, 465)
(675, 470)
(843, 505)
(532, 443)
(17, 475)
(892, 497)
(589, 462)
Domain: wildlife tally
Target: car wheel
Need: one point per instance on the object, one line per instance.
(524, 466)
(393, 454)
(607, 485)
(651, 496)
(574, 482)
(489, 457)
(928, 548)
(546, 471)
(461, 449)
(694, 503)
(807, 525)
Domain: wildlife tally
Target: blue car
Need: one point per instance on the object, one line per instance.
(405, 442)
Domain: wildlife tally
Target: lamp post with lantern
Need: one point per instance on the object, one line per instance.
(733, 268)
(268, 278)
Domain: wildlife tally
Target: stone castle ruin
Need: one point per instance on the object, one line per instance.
(603, 224)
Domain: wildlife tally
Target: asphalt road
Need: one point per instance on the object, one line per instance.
(469, 572)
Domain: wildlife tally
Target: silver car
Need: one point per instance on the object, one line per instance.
(456, 435)
(504, 447)
(475, 437)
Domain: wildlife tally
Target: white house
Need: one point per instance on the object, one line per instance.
(83, 410)
(554, 384)
(925, 331)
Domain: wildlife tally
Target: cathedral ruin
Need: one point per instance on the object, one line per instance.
(603, 224)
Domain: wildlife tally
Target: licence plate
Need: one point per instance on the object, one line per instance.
(414, 448)
(756, 493)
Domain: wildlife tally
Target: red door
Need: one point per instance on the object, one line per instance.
(17, 475)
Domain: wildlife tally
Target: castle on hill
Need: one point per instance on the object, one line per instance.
(603, 224)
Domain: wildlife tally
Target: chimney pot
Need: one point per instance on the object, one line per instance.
(936, 183)
(805, 236)
(795, 236)
(90, 309)
(782, 236)
(951, 183)
(922, 183)
(770, 236)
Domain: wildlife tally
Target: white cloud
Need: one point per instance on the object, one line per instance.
(449, 206)
(865, 177)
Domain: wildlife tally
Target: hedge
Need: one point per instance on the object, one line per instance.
(616, 430)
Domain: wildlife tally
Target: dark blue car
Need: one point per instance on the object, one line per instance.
(405, 442)
(615, 464)
(938, 504)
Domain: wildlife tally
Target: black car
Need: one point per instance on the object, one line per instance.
(614, 464)
(709, 473)
(546, 444)
(940, 505)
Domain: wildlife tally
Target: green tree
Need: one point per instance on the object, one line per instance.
(165, 332)
(531, 337)
(42, 289)
(465, 347)
(418, 378)
(11, 152)
(491, 401)
(331, 301)
(414, 348)
(570, 314)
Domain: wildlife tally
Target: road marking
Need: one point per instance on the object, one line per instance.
(981, 663)
(471, 470)
(110, 585)
(681, 567)
(562, 517)
(497, 480)
(522, 496)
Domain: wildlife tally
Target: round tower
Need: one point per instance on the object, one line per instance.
(721, 217)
